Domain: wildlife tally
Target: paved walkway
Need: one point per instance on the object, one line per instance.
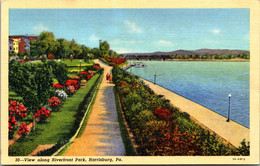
(102, 134)
(230, 131)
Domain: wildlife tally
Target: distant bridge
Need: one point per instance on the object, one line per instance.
(146, 57)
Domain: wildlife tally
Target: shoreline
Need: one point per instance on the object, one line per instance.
(196, 60)
(229, 132)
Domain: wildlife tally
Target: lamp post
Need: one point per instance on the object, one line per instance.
(71, 57)
(80, 65)
(88, 58)
(229, 97)
(131, 67)
(154, 82)
(59, 60)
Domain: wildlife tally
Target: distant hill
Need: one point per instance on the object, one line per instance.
(192, 52)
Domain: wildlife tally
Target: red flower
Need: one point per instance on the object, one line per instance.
(23, 129)
(162, 113)
(43, 113)
(85, 75)
(54, 102)
(57, 85)
(75, 78)
(96, 66)
(11, 123)
(17, 109)
(117, 61)
(74, 83)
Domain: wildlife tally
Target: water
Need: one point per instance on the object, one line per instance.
(207, 83)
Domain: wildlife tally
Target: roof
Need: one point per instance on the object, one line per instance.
(23, 36)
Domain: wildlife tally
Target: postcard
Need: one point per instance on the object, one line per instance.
(129, 82)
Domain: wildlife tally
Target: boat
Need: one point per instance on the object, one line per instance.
(139, 64)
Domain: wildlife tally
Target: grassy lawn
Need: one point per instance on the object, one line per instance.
(123, 64)
(76, 62)
(60, 126)
(74, 66)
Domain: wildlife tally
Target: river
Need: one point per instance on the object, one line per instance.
(205, 82)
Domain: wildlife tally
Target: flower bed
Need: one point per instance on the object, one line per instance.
(41, 105)
(17, 111)
(58, 85)
(85, 75)
(59, 127)
(161, 129)
(113, 61)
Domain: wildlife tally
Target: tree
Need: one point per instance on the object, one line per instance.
(12, 53)
(113, 54)
(85, 52)
(44, 44)
(63, 50)
(104, 48)
(75, 48)
(91, 56)
(96, 52)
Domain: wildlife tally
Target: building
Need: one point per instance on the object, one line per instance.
(16, 43)
(11, 41)
(21, 43)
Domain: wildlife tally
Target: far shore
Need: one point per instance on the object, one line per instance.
(213, 60)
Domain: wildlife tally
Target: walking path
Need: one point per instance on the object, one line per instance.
(230, 131)
(102, 134)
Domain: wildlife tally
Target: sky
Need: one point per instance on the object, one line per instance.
(139, 30)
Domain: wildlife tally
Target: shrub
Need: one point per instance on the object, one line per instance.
(115, 61)
(51, 57)
(17, 109)
(92, 72)
(96, 66)
(85, 75)
(61, 94)
(54, 103)
(43, 113)
(59, 71)
(142, 118)
(74, 83)
(70, 90)
(185, 115)
(77, 78)
(11, 125)
(244, 149)
(162, 113)
(32, 82)
(23, 129)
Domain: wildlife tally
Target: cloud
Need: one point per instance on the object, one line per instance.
(39, 28)
(116, 42)
(94, 38)
(165, 43)
(134, 42)
(132, 27)
(123, 50)
(216, 31)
